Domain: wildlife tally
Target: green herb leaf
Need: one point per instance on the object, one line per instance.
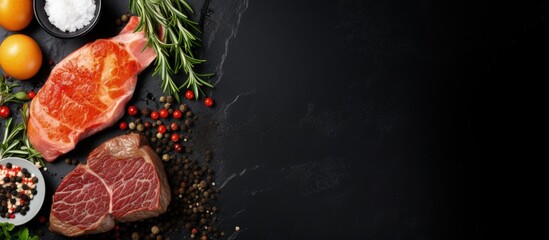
(6, 94)
(10, 226)
(22, 96)
(6, 228)
(23, 234)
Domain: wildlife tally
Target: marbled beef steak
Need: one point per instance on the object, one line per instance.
(123, 180)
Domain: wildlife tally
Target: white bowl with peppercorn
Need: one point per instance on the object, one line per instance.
(22, 190)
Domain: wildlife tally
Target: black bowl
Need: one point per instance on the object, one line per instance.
(42, 19)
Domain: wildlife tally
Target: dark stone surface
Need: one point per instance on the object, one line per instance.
(340, 119)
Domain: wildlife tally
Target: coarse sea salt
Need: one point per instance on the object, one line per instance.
(70, 15)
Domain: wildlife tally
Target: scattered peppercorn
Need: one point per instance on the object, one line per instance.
(164, 113)
(140, 127)
(155, 230)
(208, 101)
(174, 126)
(188, 122)
(31, 94)
(177, 114)
(178, 148)
(189, 95)
(174, 137)
(161, 129)
(183, 108)
(155, 115)
(136, 236)
(132, 110)
(124, 18)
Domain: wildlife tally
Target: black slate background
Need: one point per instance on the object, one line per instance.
(347, 119)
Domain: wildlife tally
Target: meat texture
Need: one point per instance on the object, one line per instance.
(123, 180)
(87, 91)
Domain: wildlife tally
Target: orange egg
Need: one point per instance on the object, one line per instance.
(20, 56)
(15, 14)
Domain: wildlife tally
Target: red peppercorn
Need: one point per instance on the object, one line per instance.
(189, 94)
(161, 129)
(132, 110)
(178, 148)
(177, 114)
(31, 94)
(208, 102)
(174, 126)
(164, 113)
(155, 115)
(5, 112)
(194, 231)
(174, 137)
(147, 125)
(123, 125)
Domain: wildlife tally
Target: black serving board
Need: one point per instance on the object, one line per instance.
(341, 119)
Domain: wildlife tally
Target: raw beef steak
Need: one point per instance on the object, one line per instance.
(87, 91)
(123, 180)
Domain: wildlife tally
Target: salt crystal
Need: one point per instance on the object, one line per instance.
(70, 15)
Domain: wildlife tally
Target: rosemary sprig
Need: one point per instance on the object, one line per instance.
(10, 144)
(169, 19)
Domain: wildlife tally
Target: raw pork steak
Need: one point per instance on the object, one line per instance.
(123, 180)
(87, 91)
